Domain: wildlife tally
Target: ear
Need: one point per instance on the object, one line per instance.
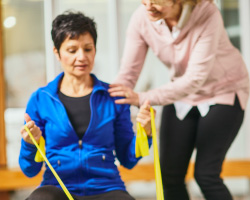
(56, 53)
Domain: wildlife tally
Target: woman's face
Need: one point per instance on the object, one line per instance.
(77, 55)
(166, 9)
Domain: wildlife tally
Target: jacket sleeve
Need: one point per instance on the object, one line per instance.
(134, 54)
(28, 151)
(200, 64)
(125, 138)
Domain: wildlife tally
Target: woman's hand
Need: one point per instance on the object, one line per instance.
(35, 130)
(130, 97)
(144, 117)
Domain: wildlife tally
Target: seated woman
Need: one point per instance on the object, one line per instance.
(85, 131)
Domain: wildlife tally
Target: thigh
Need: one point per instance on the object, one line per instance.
(177, 138)
(216, 132)
(114, 195)
(48, 192)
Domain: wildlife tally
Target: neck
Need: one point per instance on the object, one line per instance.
(170, 23)
(76, 87)
(175, 16)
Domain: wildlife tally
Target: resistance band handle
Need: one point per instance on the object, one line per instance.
(48, 163)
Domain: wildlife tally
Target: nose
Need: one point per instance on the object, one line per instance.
(80, 56)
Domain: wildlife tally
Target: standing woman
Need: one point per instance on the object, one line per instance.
(206, 97)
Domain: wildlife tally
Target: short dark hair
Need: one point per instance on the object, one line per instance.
(72, 24)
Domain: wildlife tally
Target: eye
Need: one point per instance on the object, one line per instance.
(88, 49)
(71, 51)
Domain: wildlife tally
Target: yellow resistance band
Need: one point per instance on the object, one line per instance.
(142, 149)
(159, 188)
(48, 163)
(141, 144)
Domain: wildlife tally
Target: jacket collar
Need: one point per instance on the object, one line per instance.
(53, 88)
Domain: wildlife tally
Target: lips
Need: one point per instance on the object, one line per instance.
(153, 13)
(81, 66)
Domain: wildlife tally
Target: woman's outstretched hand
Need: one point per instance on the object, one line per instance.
(35, 130)
(130, 97)
(144, 117)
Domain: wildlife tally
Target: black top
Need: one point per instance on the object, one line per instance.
(78, 110)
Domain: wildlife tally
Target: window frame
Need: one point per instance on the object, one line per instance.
(3, 158)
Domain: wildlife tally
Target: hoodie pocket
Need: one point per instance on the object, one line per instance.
(65, 169)
(102, 165)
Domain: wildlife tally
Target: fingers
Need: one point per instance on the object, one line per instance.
(146, 105)
(130, 97)
(144, 117)
(27, 117)
(117, 90)
(30, 124)
(120, 93)
(115, 85)
(144, 114)
(35, 130)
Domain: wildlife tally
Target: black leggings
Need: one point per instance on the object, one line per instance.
(50, 192)
(211, 135)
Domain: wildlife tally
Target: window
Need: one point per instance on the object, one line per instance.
(230, 13)
(24, 64)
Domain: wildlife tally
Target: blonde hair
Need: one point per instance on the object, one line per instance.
(191, 2)
(187, 7)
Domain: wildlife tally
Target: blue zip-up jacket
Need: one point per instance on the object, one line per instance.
(86, 166)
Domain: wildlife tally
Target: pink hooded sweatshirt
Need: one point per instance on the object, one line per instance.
(204, 65)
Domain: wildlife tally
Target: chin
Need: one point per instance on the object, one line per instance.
(151, 18)
(79, 75)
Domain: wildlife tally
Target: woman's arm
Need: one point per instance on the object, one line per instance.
(28, 150)
(200, 64)
(125, 137)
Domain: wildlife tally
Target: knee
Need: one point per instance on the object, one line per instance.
(207, 180)
(200, 178)
(173, 180)
(48, 192)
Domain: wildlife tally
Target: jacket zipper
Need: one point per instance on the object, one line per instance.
(81, 141)
(80, 145)
(80, 156)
